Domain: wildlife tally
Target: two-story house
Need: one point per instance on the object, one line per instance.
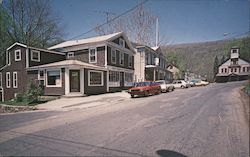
(112, 53)
(15, 76)
(80, 67)
(234, 69)
(150, 64)
(175, 71)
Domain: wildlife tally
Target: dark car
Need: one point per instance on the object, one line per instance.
(145, 89)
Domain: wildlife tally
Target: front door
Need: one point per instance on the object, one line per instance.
(74, 80)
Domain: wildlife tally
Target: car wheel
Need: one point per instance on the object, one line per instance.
(132, 96)
(182, 86)
(146, 93)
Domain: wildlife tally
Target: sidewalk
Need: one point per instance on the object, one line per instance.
(66, 104)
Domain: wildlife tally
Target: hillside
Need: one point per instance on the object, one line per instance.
(199, 57)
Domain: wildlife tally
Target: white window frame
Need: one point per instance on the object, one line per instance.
(1, 80)
(15, 80)
(121, 58)
(117, 76)
(70, 55)
(59, 85)
(8, 80)
(130, 60)
(20, 55)
(113, 50)
(102, 82)
(94, 55)
(122, 42)
(38, 53)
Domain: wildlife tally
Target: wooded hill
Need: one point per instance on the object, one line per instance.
(199, 57)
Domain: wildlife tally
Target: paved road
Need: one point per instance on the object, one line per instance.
(203, 122)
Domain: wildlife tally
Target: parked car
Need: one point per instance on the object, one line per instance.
(199, 82)
(179, 84)
(165, 86)
(145, 89)
(190, 83)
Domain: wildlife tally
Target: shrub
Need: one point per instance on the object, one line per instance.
(33, 93)
(19, 97)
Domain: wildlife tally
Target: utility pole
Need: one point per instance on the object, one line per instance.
(107, 13)
(157, 32)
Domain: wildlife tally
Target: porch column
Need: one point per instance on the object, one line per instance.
(66, 81)
(82, 81)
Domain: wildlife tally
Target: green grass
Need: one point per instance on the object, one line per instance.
(24, 102)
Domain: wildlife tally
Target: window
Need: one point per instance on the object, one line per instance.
(92, 55)
(225, 70)
(17, 55)
(243, 69)
(1, 80)
(95, 78)
(231, 70)
(70, 55)
(114, 78)
(129, 61)
(121, 58)
(128, 81)
(41, 77)
(35, 56)
(8, 79)
(121, 42)
(15, 82)
(113, 56)
(235, 51)
(235, 69)
(54, 78)
(248, 69)
(222, 70)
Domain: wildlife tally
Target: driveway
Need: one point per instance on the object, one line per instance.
(201, 122)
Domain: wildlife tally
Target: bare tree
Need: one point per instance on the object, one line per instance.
(138, 25)
(32, 22)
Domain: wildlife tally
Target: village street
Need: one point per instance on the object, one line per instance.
(200, 122)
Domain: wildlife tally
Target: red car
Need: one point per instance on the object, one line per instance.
(145, 89)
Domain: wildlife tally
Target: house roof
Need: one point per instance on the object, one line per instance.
(97, 39)
(16, 43)
(67, 63)
(240, 62)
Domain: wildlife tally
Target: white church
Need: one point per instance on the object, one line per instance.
(234, 69)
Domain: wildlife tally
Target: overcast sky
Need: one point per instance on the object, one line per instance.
(181, 21)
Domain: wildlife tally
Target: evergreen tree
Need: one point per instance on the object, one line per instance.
(223, 59)
(216, 65)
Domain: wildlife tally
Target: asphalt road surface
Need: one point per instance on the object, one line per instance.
(199, 122)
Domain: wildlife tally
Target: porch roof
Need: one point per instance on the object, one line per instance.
(67, 63)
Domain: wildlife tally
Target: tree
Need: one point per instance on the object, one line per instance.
(138, 25)
(216, 65)
(29, 22)
(223, 59)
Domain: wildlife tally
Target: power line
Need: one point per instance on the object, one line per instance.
(92, 29)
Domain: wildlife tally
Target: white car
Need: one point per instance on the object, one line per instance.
(180, 84)
(199, 82)
(165, 87)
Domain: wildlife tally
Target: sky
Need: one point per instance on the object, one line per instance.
(180, 21)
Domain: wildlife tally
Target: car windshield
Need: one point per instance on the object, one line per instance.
(140, 84)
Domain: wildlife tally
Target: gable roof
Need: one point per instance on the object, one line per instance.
(16, 43)
(97, 39)
(66, 63)
(228, 62)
